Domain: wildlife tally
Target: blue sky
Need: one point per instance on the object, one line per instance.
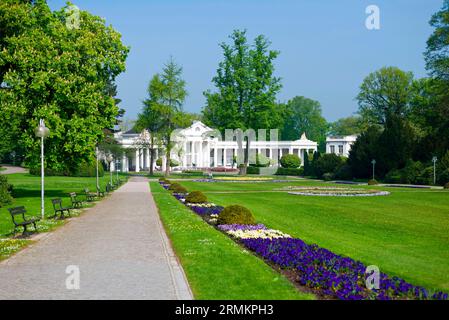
(326, 50)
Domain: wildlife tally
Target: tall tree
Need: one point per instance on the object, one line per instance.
(437, 62)
(246, 88)
(384, 92)
(167, 95)
(304, 115)
(346, 126)
(150, 117)
(60, 74)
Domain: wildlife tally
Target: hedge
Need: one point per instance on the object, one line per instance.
(290, 171)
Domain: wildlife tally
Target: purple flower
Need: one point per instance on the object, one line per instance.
(244, 227)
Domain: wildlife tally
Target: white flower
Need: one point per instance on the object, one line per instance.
(257, 234)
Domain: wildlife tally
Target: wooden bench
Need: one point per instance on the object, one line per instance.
(58, 208)
(76, 203)
(20, 211)
(90, 196)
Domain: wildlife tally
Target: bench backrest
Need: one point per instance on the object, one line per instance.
(56, 202)
(17, 211)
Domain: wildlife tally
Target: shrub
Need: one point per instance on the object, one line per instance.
(236, 214)
(443, 177)
(5, 191)
(289, 172)
(196, 197)
(223, 169)
(290, 161)
(328, 176)
(446, 186)
(344, 173)
(173, 163)
(253, 170)
(372, 182)
(177, 188)
(328, 163)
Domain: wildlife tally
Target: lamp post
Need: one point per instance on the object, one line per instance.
(109, 159)
(42, 132)
(374, 166)
(97, 154)
(434, 160)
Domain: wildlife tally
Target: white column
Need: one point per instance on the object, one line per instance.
(112, 166)
(193, 155)
(290, 150)
(201, 155)
(224, 157)
(147, 156)
(164, 160)
(184, 160)
(215, 156)
(207, 162)
(124, 163)
(141, 158)
(137, 161)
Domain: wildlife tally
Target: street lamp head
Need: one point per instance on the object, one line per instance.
(42, 131)
(434, 159)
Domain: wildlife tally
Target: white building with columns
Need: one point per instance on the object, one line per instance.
(340, 145)
(197, 147)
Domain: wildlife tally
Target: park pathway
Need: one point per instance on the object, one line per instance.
(118, 246)
(12, 169)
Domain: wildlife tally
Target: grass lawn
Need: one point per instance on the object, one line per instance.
(405, 234)
(216, 267)
(27, 193)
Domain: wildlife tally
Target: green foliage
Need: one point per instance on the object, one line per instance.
(236, 214)
(173, 163)
(253, 170)
(437, 56)
(196, 197)
(328, 163)
(59, 74)
(363, 151)
(372, 182)
(5, 191)
(289, 171)
(344, 173)
(85, 169)
(246, 88)
(290, 161)
(383, 93)
(167, 95)
(304, 115)
(346, 126)
(177, 188)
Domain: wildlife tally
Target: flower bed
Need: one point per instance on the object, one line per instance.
(333, 192)
(327, 273)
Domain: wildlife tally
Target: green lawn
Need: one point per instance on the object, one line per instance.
(405, 234)
(216, 267)
(27, 193)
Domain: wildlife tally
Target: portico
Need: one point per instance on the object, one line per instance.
(197, 147)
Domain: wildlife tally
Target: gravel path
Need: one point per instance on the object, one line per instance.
(118, 246)
(11, 170)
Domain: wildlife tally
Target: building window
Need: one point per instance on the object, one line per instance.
(332, 149)
(340, 149)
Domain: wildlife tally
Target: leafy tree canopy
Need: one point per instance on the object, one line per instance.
(63, 75)
(385, 92)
